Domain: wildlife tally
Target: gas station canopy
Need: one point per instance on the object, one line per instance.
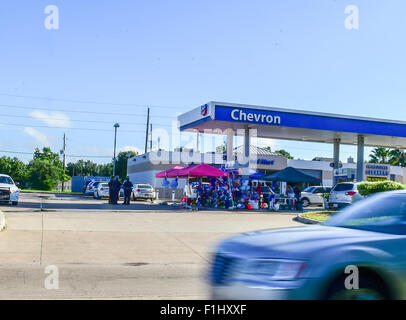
(288, 124)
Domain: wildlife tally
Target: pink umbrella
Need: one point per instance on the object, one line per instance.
(199, 170)
(165, 173)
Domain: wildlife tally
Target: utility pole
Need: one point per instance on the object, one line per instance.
(146, 134)
(150, 140)
(64, 160)
(116, 126)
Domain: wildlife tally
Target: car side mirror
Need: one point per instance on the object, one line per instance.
(17, 183)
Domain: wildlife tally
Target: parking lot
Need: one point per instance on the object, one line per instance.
(141, 251)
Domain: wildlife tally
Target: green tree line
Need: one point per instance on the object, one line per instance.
(45, 171)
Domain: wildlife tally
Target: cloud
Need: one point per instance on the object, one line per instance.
(52, 119)
(130, 148)
(39, 136)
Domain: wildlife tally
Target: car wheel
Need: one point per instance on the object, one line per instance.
(305, 202)
(370, 288)
(14, 203)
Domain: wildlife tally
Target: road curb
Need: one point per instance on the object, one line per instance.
(306, 220)
(2, 221)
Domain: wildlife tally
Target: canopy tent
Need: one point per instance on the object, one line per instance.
(165, 173)
(291, 175)
(254, 175)
(199, 170)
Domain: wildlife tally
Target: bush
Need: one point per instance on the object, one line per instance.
(367, 188)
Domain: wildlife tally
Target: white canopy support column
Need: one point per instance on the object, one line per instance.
(360, 158)
(230, 145)
(246, 156)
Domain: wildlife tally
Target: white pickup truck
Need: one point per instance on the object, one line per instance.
(9, 192)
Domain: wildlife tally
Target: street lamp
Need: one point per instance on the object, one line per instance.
(116, 126)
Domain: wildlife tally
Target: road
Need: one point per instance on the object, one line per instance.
(141, 252)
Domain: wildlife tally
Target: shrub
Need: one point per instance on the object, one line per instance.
(367, 188)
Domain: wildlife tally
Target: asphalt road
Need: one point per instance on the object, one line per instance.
(101, 251)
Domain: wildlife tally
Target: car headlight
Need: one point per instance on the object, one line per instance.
(270, 269)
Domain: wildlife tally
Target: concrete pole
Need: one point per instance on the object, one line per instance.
(360, 158)
(246, 169)
(230, 144)
(336, 156)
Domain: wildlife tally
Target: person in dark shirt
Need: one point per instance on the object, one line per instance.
(128, 188)
(116, 190)
(298, 196)
(111, 190)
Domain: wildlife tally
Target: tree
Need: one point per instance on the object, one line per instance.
(380, 155)
(46, 170)
(284, 153)
(121, 163)
(15, 169)
(397, 158)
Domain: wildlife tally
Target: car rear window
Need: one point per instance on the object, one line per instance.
(144, 186)
(344, 187)
(105, 185)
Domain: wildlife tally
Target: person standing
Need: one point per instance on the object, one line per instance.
(116, 190)
(298, 196)
(111, 190)
(128, 188)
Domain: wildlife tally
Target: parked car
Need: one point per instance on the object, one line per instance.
(9, 192)
(314, 195)
(89, 189)
(312, 262)
(143, 191)
(101, 190)
(343, 194)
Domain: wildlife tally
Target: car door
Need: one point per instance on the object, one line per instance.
(317, 195)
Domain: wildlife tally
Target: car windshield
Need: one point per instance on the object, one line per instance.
(265, 189)
(309, 189)
(6, 180)
(381, 213)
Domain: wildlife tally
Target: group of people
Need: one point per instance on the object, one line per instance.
(114, 190)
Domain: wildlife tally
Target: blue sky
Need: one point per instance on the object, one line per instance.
(176, 55)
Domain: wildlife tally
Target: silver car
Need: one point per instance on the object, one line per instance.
(314, 195)
(143, 191)
(365, 241)
(101, 190)
(344, 194)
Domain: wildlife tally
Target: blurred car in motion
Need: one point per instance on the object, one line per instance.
(309, 262)
(344, 194)
(314, 195)
(143, 191)
(101, 190)
(9, 192)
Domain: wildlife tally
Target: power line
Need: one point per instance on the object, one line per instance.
(67, 128)
(68, 155)
(83, 101)
(77, 120)
(80, 111)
